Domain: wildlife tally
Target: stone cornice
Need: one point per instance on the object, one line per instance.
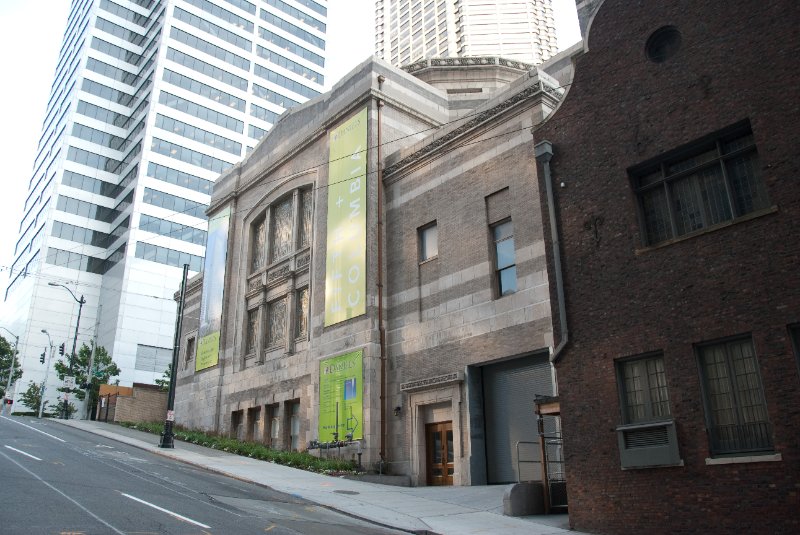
(432, 63)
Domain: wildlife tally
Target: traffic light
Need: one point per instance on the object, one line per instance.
(61, 349)
(41, 358)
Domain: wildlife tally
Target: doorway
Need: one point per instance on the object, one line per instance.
(439, 445)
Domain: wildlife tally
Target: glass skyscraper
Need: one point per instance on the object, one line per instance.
(151, 101)
(410, 30)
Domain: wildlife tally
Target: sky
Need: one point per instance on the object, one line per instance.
(30, 38)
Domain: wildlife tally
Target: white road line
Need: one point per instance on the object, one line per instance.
(176, 515)
(65, 496)
(22, 452)
(29, 427)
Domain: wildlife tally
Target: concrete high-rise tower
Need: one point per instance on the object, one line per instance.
(151, 101)
(409, 30)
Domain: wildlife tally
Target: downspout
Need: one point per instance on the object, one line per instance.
(544, 153)
(381, 329)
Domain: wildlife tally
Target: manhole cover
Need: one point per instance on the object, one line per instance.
(346, 491)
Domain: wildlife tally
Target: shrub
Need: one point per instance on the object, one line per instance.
(254, 450)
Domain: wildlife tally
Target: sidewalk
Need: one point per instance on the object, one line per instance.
(441, 510)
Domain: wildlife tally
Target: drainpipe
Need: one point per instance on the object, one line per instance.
(544, 153)
(381, 329)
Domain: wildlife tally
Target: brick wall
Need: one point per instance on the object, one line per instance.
(146, 404)
(625, 299)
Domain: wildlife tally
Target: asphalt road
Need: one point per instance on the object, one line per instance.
(63, 481)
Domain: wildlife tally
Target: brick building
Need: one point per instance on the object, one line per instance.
(673, 164)
(419, 332)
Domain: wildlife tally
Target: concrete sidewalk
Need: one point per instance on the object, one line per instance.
(441, 510)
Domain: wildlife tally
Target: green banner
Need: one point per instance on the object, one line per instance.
(213, 288)
(341, 406)
(346, 261)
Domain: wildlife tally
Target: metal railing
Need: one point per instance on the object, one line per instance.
(741, 438)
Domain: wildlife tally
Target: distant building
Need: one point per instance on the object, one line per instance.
(407, 31)
(385, 285)
(151, 101)
(673, 164)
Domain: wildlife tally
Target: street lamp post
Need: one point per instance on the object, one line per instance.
(46, 373)
(80, 302)
(11, 368)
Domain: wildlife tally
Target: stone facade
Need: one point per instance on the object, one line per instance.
(632, 109)
(430, 325)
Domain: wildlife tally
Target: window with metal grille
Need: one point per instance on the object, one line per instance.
(643, 389)
(794, 332)
(736, 411)
(705, 183)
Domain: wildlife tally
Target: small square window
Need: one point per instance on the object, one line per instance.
(428, 242)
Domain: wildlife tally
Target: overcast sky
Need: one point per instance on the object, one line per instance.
(30, 38)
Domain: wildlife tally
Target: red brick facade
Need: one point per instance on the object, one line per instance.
(736, 62)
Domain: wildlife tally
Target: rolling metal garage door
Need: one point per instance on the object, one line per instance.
(509, 389)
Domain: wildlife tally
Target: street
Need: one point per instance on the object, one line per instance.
(60, 480)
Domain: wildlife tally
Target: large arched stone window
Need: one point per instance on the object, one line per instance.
(278, 284)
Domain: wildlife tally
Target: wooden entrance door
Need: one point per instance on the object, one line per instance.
(439, 444)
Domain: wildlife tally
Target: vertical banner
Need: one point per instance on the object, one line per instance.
(341, 406)
(346, 261)
(213, 288)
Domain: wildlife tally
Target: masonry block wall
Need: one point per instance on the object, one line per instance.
(626, 298)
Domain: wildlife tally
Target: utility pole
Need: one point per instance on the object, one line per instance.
(46, 373)
(167, 437)
(80, 302)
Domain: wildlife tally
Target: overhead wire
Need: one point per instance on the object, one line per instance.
(552, 118)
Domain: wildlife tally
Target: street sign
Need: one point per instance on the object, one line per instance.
(69, 381)
(170, 416)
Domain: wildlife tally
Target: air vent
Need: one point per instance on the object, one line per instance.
(648, 445)
(646, 438)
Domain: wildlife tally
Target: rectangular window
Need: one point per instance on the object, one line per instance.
(252, 331)
(428, 242)
(643, 389)
(305, 218)
(504, 258)
(189, 354)
(294, 425)
(736, 411)
(259, 242)
(274, 426)
(276, 332)
(301, 324)
(281, 229)
(705, 183)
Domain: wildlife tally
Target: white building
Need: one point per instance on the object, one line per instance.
(151, 101)
(409, 30)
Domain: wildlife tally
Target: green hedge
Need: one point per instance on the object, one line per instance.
(254, 450)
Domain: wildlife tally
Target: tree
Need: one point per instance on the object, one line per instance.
(86, 380)
(6, 353)
(32, 397)
(164, 381)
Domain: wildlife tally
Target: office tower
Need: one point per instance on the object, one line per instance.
(409, 30)
(151, 101)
